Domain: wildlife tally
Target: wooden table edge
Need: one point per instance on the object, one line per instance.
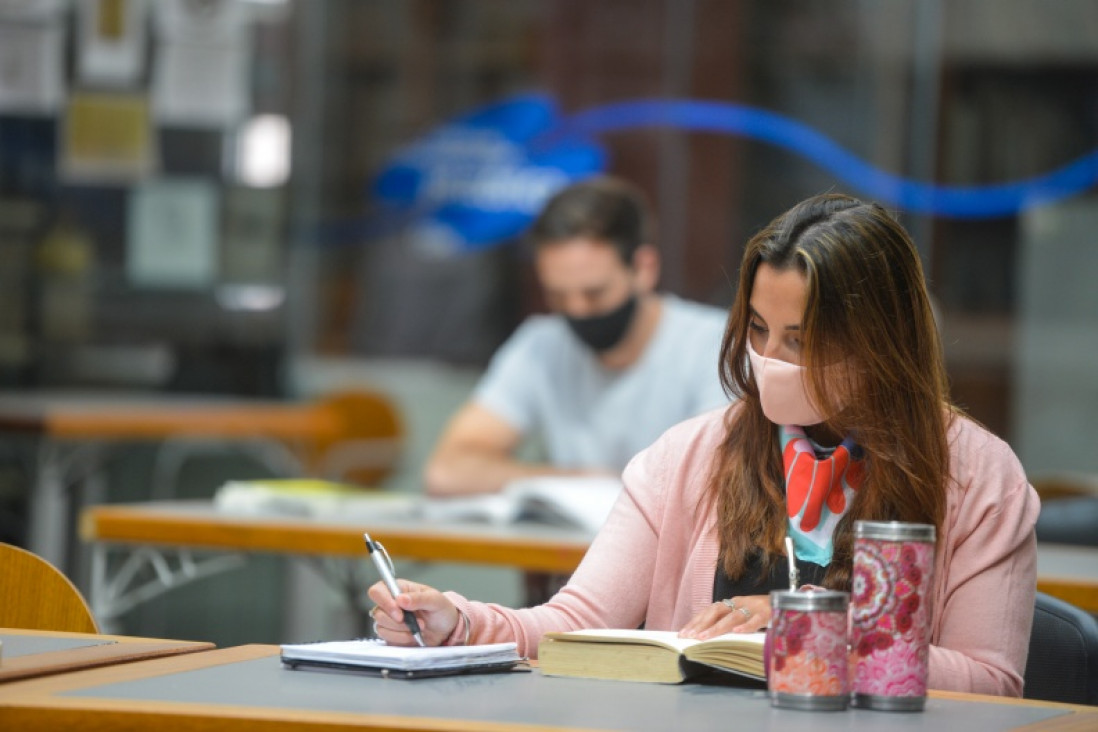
(37, 702)
(125, 524)
(1079, 592)
(115, 650)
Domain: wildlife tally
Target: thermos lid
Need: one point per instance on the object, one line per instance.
(893, 531)
(809, 600)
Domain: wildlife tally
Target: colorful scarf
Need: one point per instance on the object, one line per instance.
(819, 485)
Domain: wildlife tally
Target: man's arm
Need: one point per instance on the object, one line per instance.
(474, 455)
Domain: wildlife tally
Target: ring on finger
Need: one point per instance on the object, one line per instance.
(373, 619)
(745, 611)
(729, 603)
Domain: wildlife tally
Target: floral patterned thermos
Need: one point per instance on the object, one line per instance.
(808, 664)
(890, 614)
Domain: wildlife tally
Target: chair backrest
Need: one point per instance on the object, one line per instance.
(369, 442)
(1069, 508)
(35, 595)
(1063, 653)
(1069, 521)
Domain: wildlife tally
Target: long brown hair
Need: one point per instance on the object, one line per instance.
(867, 306)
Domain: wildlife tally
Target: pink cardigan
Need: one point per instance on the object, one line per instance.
(655, 558)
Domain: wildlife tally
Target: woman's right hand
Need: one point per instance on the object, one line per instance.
(437, 616)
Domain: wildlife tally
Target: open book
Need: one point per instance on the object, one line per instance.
(376, 657)
(578, 501)
(649, 655)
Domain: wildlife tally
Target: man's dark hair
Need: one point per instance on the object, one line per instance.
(605, 208)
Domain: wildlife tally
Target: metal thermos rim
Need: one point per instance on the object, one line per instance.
(810, 600)
(893, 531)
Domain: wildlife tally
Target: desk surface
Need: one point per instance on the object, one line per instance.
(1068, 572)
(128, 416)
(245, 688)
(29, 653)
(198, 524)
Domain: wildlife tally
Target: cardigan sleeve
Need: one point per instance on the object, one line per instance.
(611, 586)
(986, 594)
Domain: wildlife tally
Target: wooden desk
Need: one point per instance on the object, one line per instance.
(245, 688)
(1070, 573)
(126, 417)
(198, 524)
(168, 530)
(29, 653)
(74, 429)
(1067, 572)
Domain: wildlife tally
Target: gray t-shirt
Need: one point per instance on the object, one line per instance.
(548, 384)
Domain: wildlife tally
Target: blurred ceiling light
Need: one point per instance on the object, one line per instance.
(263, 151)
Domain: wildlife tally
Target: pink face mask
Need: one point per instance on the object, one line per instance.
(782, 391)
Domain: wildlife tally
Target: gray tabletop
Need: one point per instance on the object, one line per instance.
(28, 645)
(531, 698)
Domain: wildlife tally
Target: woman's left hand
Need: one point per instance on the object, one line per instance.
(746, 614)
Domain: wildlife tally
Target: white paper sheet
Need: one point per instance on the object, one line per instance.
(31, 74)
(173, 234)
(110, 41)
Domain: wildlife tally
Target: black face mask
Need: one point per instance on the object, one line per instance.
(603, 332)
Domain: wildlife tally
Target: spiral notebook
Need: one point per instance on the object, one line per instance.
(377, 658)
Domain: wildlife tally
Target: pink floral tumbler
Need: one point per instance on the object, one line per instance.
(807, 666)
(890, 614)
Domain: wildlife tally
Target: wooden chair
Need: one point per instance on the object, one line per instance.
(361, 445)
(35, 595)
(368, 445)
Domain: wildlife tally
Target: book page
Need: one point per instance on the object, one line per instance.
(667, 638)
(580, 501)
(495, 508)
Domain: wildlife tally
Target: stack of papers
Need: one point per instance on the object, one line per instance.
(311, 498)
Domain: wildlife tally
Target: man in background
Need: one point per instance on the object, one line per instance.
(614, 365)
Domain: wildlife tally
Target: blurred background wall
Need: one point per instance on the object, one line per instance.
(188, 199)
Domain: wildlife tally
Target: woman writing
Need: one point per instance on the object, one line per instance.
(843, 414)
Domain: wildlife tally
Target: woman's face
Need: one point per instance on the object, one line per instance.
(778, 299)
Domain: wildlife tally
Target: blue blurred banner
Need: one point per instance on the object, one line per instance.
(973, 202)
(480, 179)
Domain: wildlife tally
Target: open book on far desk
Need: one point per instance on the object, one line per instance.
(312, 498)
(377, 658)
(649, 655)
(577, 501)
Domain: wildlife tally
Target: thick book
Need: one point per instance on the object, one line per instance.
(649, 655)
(377, 658)
(581, 502)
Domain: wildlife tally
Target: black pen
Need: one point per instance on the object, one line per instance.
(385, 568)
